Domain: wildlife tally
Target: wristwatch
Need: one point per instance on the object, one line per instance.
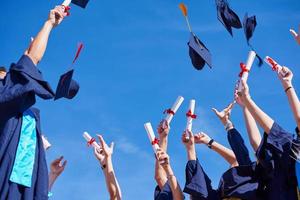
(210, 143)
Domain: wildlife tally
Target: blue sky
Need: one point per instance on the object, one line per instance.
(134, 65)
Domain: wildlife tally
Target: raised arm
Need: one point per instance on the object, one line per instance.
(293, 99)
(163, 158)
(38, 46)
(252, 129)
(163, 132)
(56, 168)
(108, 170)
(227, 154)
(259, 116)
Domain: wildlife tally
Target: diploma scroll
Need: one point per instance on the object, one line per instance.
(153, 140)
(249, 64)
(171, 112)
(92, 142)
(190, 116)
(274, 65)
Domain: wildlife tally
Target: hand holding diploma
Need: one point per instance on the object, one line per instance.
(171, 111)
(92, 142)
(245, 69)
(274, 65)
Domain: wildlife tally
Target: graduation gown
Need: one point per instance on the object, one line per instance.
(241, 182)
(274, 154)
(163, 194)
(17, 94)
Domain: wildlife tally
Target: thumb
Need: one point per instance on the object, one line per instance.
(112, 145)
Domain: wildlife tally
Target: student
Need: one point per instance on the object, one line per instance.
(274, 153)
(56, 169)
(108, 170)
(198, 184)
(23, 169)
(164, 160)
(163, 190)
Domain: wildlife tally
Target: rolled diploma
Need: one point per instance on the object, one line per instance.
(151, 136)
(88, 138)
(249, 64)
(278, 67)
(189, 122)
(46, 143)
(174, 108)
(66, 2)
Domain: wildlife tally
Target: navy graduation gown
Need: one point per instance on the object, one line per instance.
(274, 155)
(163, 194)
(238, 147)
(17, 94)
(198, 184)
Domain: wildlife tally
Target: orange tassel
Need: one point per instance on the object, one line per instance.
(183, 9)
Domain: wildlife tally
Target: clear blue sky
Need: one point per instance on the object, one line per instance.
(134, 64)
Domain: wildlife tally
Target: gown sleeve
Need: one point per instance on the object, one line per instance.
(238, 146)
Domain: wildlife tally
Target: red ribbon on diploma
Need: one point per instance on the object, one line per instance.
(243, 69)
(155, 141)
(169, 111)
(67, 9)
(92, 140)
(273, 63)
(189, 114)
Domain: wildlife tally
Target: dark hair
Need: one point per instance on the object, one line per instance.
(2, 69)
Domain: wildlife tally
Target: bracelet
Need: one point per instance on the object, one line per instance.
(287, 89)
(171, 175)
(228, 125)
(210, 143)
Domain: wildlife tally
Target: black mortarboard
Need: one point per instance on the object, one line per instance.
(3, 69)
(81, 3)
(227, 16)
(67, 87)
(249, 24)
(198, 52)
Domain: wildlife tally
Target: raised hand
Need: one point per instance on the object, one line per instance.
(163, 158)
(187, 139)
(105, 150)
(244, 93)
(296, 35)
(163, 128)
(56, 167)
(56, 15)
(224, 115)
(286, 77)
(201, 138)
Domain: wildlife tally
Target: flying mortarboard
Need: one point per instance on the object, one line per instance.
(198, 52)
(67, 87)
(249, 24)
(227, 16)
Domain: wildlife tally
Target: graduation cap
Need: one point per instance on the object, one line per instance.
(227, 16)
(67, 87)
(249, 24)
(198, 52)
